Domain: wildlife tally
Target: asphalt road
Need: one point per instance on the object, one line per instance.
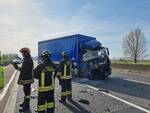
(117, 94)
(5, 92)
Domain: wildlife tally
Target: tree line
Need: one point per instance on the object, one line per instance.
(134, 46)
(7, 58)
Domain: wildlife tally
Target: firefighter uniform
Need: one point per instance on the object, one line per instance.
(26, 76)
(65, 71)
(45, 73)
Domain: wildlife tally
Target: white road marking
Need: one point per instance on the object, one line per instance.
(132, 80)
(122, 100)
(7, 86)
(10, 106)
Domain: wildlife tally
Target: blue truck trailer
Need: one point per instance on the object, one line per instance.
(87, 53)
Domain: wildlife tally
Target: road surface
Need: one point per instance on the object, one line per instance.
(117, 94)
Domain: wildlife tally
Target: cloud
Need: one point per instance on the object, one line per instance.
(25, 22)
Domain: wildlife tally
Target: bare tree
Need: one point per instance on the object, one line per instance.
(134, 45)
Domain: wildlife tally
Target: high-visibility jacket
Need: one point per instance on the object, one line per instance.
(46, 73)
(66, 69)
(26, 71)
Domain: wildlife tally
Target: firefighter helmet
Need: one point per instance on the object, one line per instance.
(65, 54)
(25, 50)
(46, 54)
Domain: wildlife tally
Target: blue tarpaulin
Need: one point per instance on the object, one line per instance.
(92, 44)
(70, 44)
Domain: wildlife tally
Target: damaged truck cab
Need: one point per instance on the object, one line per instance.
(90, 58)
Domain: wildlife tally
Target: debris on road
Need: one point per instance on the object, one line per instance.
(85, 91)
(33, 90)
(84, 101)
(107, 110)
(104, 90)
(34, 97)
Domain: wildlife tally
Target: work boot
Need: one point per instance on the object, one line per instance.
(21, 105)
(62, 101)
(24, 108)
(36, 110)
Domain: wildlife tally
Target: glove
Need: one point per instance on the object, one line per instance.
(15, 65)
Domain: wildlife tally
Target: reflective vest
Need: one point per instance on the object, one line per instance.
(47, 79)
(67, 70)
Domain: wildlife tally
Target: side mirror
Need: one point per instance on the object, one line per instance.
(107, 50)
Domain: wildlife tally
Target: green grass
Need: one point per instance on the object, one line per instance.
(1, 77)
(131, 62)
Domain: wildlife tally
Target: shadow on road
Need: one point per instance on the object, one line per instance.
(119, 85)
(75, 107)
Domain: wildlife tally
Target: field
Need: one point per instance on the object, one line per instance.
(131, 62)
(140, 67)
(1, 77)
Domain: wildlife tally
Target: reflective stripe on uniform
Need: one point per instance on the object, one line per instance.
(63, 93)
(51, 105)
(46, 106)
(70, 70)
(26, 81)
(41, 107)
(27, 97)
(67, 77)
(65, 70)
(43, 88)
(42, 79)
(47, 88)
(69, 92)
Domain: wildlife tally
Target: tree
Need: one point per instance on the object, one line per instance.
(134, 45)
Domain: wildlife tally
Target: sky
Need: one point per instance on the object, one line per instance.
(25, 22)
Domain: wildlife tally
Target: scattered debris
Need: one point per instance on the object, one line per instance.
(84, 101)
(33, 90)
(34, 97)
(104, 90)
(85, 91)
(108, 110)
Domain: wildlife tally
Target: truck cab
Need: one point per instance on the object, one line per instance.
(98, 63)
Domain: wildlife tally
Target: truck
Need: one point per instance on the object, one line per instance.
(90, 58)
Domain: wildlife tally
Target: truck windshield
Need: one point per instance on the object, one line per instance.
(92, 54)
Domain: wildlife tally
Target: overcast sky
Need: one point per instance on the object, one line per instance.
(25, 22)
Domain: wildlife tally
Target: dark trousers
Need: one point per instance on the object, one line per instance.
(27, 92)
(66, 89)
(46, 102)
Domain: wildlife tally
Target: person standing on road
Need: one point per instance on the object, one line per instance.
(45, 73)
(26, 77)
(65, 73)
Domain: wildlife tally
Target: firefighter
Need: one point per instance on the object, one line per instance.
(26, 77)
(65, 74)
(45, 73)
